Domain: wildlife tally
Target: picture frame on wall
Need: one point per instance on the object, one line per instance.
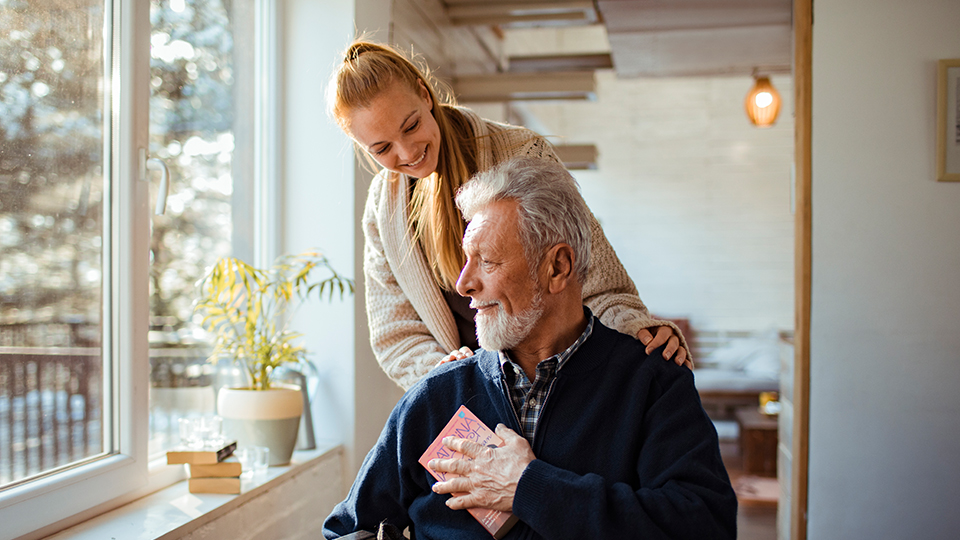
(948, 120)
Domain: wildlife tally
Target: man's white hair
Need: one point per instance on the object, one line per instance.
(550, 207)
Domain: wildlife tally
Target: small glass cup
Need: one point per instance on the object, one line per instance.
(201, 432)
(253, 460)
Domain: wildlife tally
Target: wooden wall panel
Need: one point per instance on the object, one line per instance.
(803, 74)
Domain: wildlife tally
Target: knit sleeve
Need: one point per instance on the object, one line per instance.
(540, 148)
(401, 341)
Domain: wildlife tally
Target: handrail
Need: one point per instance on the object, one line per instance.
(51, 411)
(50, 408)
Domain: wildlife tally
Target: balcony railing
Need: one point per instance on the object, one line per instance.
(51, 395)
(50, 408)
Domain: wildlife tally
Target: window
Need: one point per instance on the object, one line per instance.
(53, 178)
(91, 283)
(71, 309)
(198, 112)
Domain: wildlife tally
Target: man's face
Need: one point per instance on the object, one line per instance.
(498, 279)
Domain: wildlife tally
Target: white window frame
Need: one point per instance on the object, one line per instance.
(267, 116)
(46, 500)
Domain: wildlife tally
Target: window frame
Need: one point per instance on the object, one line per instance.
(58, 496)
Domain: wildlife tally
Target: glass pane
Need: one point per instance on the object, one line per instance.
(192, 128)
(51, 234)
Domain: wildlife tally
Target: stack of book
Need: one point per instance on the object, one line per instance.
(212, 470)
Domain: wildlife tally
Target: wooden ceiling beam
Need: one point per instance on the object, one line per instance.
(503, 87)
(577, 156)
(656, 15)
(560, 62)
(517, 12)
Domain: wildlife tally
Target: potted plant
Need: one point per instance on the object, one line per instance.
(248, 310)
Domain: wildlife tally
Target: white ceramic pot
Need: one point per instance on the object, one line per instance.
(268, 418)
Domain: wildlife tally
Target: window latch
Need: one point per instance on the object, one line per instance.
(156, 164)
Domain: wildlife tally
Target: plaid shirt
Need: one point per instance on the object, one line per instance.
(528, 398)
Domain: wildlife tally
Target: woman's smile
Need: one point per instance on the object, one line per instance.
(420, 159)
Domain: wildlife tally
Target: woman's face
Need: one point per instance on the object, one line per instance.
(398, 129)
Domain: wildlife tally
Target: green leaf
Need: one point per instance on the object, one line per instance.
(247, 309)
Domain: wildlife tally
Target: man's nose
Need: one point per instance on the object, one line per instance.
(466, 283)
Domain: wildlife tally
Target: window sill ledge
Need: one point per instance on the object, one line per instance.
(173, 512)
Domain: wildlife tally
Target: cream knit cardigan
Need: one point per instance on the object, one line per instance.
(411, 326)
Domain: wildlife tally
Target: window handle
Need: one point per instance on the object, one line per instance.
(156, 164)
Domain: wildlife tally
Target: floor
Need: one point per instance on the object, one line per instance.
(757, 518)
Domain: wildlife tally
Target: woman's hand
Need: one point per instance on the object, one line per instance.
(666, 335)
(459, 354)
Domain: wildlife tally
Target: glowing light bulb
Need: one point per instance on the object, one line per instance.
(763, 100)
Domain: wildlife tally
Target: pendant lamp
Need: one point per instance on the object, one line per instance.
(762, 103)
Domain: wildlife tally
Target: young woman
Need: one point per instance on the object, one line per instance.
(412, 256)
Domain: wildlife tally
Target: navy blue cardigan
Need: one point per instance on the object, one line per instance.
(624, 450)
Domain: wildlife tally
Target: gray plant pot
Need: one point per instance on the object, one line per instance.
(269, 418)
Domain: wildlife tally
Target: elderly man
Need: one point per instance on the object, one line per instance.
(601, 439)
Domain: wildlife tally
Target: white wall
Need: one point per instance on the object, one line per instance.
(885, 346)
(322, 205)
(695, 200)
(318, 196)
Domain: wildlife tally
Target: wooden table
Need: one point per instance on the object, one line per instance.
(758, 441)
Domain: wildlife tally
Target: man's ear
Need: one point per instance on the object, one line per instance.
(559, 267)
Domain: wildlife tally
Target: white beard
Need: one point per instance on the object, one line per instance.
(501, 332)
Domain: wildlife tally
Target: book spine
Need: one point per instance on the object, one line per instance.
(224, 469)
(229, 486)
(226, 451)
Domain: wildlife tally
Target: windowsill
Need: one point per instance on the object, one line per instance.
(173, 512)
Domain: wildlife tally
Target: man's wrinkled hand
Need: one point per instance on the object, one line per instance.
(490, 478)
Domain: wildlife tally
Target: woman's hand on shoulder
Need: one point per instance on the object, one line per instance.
(665, 334)
(459, 354)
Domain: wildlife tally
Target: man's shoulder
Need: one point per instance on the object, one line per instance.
(430, 403)
(627, 354)
(612, 345)
(477, 365)
(455, 379)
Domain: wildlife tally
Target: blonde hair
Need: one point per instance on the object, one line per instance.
(368, 69)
